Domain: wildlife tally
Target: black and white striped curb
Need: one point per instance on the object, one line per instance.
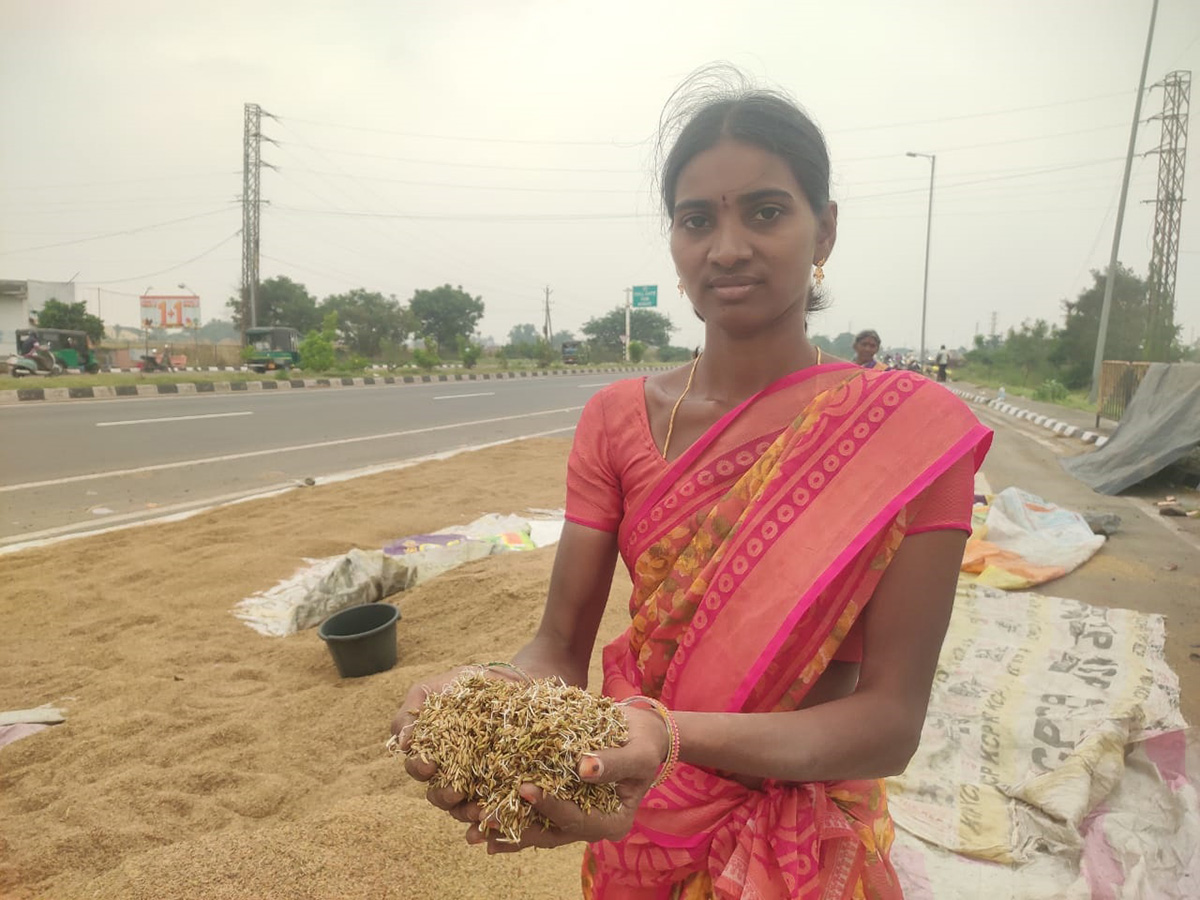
(1088, 437)
(137, 369)
(227, 387)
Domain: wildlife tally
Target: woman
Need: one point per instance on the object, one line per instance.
(793, 547)
(866, 345)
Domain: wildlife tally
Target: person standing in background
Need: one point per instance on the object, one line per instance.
(866, 345)
(943, 362)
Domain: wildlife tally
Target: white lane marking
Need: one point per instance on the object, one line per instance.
(173, 419)
(180, 511)
(228, 457)
(462, 396)
(597, 384)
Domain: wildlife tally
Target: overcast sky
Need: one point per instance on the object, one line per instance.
(506, 145)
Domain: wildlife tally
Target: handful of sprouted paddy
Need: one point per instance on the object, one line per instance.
(488, 736)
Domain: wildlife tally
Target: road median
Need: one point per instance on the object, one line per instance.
(203, 386)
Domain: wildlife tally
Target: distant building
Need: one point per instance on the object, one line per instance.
(20, 302)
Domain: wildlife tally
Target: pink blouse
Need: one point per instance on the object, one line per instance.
(614, 463)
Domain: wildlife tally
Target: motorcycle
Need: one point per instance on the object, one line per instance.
(157, 362)
(36, 361)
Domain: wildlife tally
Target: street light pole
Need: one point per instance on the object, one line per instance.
(1110, 281)
(932, 157)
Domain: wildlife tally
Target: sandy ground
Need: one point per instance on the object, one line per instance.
(201, 759)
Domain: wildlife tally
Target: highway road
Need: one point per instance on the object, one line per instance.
(75, 466)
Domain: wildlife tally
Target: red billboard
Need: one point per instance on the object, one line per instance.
(170, 311)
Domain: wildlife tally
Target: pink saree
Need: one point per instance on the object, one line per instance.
(752, 557)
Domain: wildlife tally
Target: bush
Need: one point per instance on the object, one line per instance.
(674, 354)
(1051, 390)
(637, 351)
(545, 354)
(316, 350)
(468, 352)
(427, 357)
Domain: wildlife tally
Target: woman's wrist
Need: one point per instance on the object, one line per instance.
(670, 756)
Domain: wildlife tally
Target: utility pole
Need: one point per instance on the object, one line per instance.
(628, 306)
(547, 328)
(252, 164)
(1106, 307)
(1168, 214)
(932, 157)
(995, 335)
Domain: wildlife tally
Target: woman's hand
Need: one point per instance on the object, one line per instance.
(632, 768)
(402, 726)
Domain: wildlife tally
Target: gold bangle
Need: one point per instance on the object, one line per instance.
(668, 764)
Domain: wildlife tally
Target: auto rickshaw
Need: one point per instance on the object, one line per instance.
(275, 347)
(72, 349)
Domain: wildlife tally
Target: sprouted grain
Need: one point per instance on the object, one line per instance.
(488, 736)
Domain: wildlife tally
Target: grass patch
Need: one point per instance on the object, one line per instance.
(112, 379)
(1072, 400)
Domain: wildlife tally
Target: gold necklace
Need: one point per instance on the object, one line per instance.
(688, 387)
(675, 408)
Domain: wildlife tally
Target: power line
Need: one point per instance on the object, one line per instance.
(79, 184)
(431, 249)
(213, 249)
(1000, 143)
(475, 187)
(460, 165)
(629, 144)
(624, 145)
(140, 228)
(486, 217)
(965, 116)
(1030, 174)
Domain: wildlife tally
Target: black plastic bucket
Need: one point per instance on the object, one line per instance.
(362, 639)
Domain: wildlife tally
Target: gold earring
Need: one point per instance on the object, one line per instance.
(681, 288)
(819, 272)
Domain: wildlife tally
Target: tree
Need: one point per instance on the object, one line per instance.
(645, 325)
(1076, 344)
(71, 317)
(559, 338)
(445, 314)
(637, 351)
(523, 334)
(841, 346)
(366, 319)
(279, 301)
(316, 350)
(217, 330)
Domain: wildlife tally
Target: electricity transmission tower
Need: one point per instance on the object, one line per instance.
(252, 164)
(1168, 214)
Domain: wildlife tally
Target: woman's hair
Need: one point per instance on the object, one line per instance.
(718, 102)
(868, 333)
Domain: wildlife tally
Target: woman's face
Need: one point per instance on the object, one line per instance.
(866, 348)
(744, 238)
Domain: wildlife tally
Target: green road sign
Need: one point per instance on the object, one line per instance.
(645, 295)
